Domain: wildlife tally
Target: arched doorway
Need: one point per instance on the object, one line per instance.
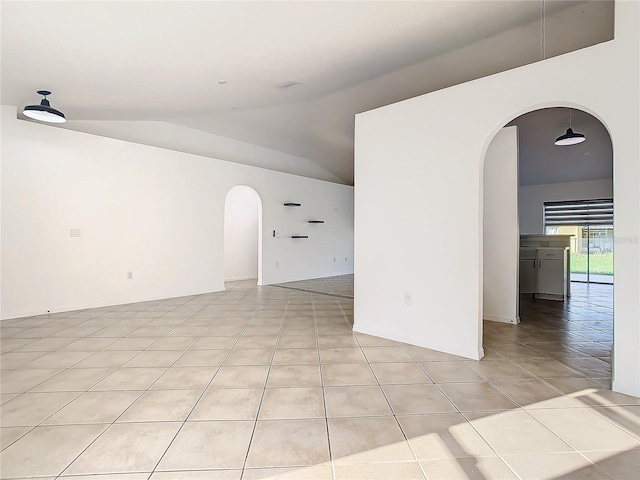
(539, 197)
(243, 235)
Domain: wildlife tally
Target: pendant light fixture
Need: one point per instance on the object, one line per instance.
(44, 112)
(571, 137)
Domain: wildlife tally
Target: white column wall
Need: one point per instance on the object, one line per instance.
(500, 232)
(418, 218)
(157, 213)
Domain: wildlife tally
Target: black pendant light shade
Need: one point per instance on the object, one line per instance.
(44, 112)
(571, 137)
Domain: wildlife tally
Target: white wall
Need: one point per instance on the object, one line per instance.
(155, 212)
(500, 231)
(241, 218)
(531, 199)
(419, 193)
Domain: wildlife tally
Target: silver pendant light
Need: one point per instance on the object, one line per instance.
(570, 137)
(44, 112)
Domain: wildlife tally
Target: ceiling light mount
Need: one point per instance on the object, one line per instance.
(570, 137)
(44, 112)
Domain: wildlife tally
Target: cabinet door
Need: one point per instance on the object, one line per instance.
(528, 275)
(551, 275)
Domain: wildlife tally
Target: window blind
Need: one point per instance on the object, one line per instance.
(582, 213)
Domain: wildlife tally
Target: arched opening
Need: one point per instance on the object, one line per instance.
(243, 235)
(548, 242)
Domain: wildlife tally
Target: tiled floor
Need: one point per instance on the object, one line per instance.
(270, 382)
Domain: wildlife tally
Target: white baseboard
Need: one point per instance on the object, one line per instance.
(499, 318)
(238, 279)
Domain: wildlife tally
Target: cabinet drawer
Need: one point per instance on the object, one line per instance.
(550, 254)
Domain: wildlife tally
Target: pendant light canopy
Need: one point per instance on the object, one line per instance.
(571, 137)
(44, 112)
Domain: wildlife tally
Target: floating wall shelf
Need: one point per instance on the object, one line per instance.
(299, 236)
(291, 204)
(316, 221)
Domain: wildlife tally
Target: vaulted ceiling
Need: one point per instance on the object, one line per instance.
(216, 69)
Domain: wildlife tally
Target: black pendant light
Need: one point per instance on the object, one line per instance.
(44, 112)
(571, 137)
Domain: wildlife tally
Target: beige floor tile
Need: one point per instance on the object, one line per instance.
(294, 376)
(45, 344)
(113, 476)
(554, 465)
(499, 370)
(208, 445)
(531, 394)
(131, 343)
(589, 392)
(250, 356)
(8, 435)
(399, 373)
(296, 356)
(626, 417)
(185, 378)
(476, 396)
(154, 358)
(202, 358)
(126, 447)
(5, 397)
(47, 450)
(130, 379)
(515, 351)
(315, 472)
(618, 465)
(215, 343)
(355, 401)
(292, 403)
(443, 436)
(516, 432)
(338, 341)
(297, 341)
(106, 358)
(31, 409)
(420, 354)
(380, 471)
(467, 469)
(257, 342)
(19, 381)
(371, 341)
(14, 360)
(173, 343)
(347, 374)
(60, 359)
(300, 442)
(241, 377)
(367, 440)
(88, 344)
(73, 380)
(198, 475)
(442, 372)
(548, 368)
(417, 399)
(387, 354)
(228, 404)
(94, 407)
(341, 355)
(161, 406)
(585, 430)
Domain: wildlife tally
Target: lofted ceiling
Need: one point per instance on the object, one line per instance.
(214, 68)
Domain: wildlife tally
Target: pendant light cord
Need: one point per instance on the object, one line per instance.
(544, 53)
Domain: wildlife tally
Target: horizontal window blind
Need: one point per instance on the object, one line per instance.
(579, 212)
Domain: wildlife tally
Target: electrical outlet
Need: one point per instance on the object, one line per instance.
(277, 264)
(334, 259)
(129, 275)
(345, 259)
(75, 232)
(407, 298)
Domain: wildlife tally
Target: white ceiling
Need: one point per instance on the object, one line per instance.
(113, 63)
